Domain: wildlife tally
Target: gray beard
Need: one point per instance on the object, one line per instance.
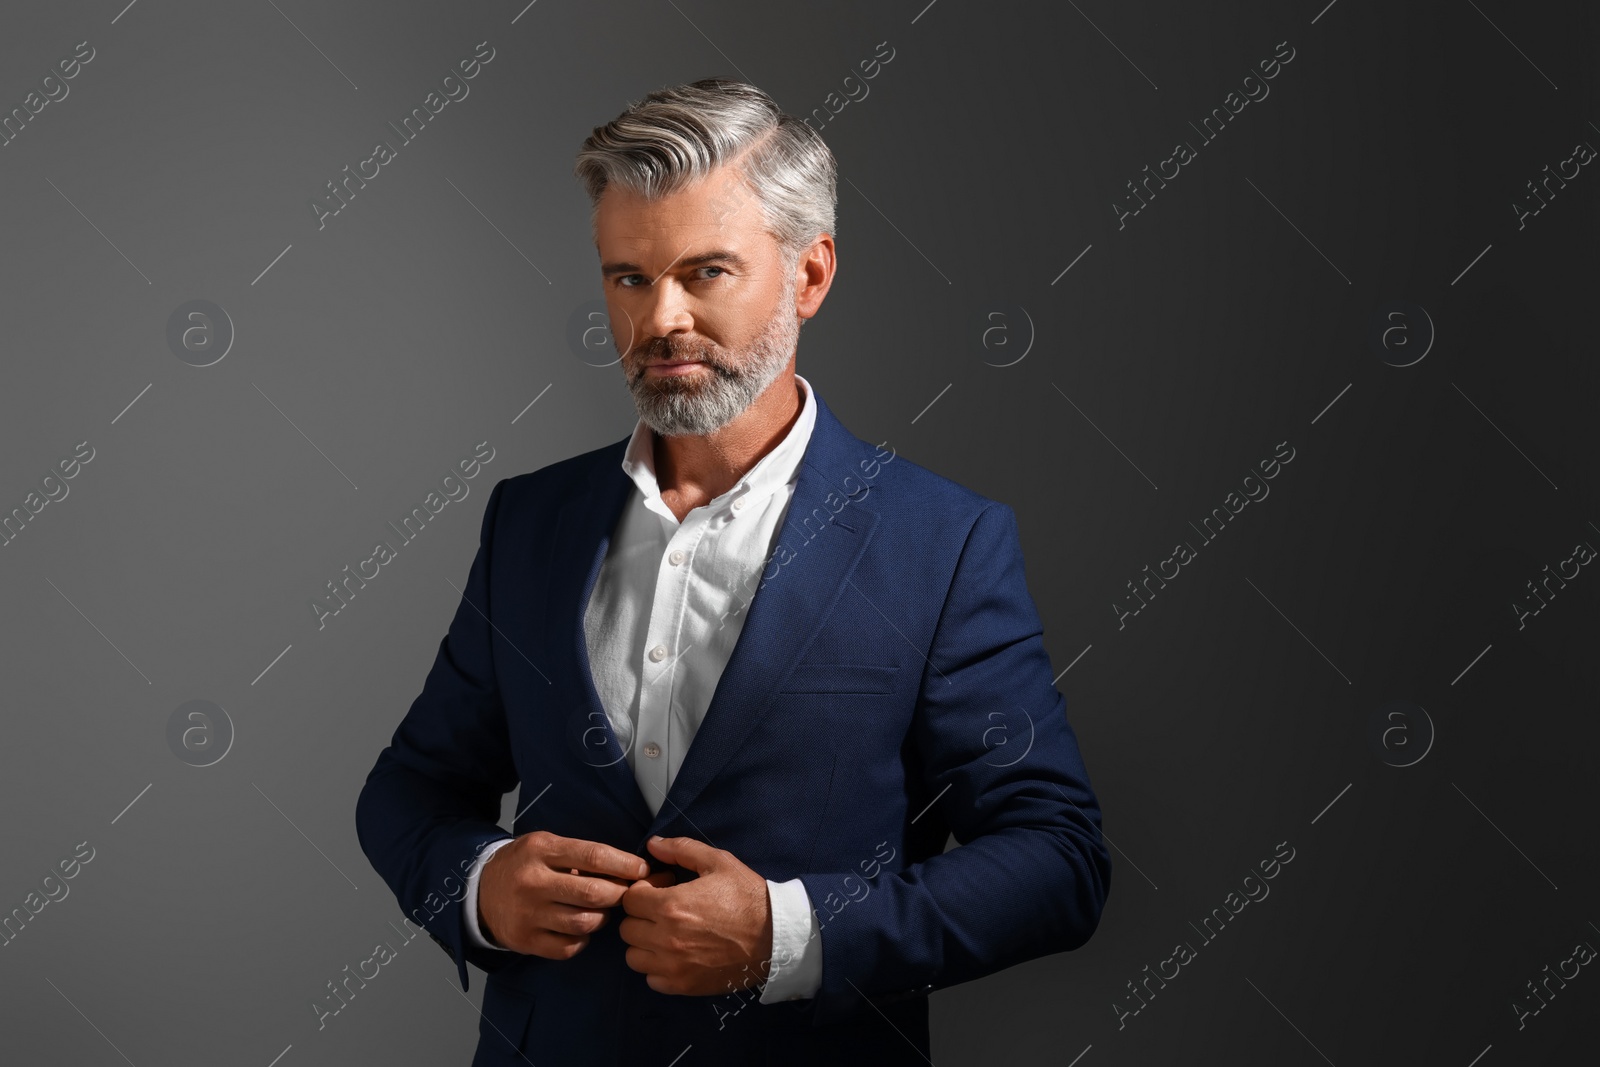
(677, 407)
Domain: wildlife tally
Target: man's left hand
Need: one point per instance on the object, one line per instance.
(704, 936)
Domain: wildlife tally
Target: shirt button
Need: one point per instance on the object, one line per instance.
(658, 653)
(738, 504)
(676, 557)
(652, 750)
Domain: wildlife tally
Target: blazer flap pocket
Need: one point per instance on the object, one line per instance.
(840, 678)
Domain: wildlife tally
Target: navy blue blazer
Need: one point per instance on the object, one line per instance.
(890, 688)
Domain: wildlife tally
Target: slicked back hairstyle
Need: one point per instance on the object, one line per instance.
(675, 136)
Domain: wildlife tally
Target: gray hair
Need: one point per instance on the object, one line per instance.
(675, 136)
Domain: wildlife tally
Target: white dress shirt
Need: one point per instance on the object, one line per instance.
(666, 610)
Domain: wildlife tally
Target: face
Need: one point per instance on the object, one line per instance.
(701, 300)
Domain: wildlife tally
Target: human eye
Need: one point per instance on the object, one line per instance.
(722, 269)
(622, 281)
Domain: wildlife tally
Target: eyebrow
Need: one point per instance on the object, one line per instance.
(733, 258)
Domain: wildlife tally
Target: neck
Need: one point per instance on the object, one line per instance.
(692, 470)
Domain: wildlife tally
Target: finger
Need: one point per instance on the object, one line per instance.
(614, 879)
(568, 920)
(643, 960)
(623, 882)
(642, 900)
(554, 946)
(595, 857)
(640, 933)
(581, 891)
(661, 879)
(686, 852)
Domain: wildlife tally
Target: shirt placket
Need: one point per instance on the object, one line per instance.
(665, 644)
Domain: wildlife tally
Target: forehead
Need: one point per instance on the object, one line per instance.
(718, 207)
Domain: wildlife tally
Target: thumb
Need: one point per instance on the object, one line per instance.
(697, 856)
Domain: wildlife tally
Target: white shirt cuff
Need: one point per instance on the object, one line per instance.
(469, 903)
(795, 971)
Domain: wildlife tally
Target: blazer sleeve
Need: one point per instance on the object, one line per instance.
(1032, 872)
(432, 800)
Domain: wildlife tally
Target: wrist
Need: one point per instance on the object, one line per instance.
(485, 932)
(473, 917)
(767, 941)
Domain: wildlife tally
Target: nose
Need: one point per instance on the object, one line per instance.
(665, 310)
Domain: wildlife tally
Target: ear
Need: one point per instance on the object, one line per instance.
(814, 270)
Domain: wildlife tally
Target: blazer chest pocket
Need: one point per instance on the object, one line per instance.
(840, 678)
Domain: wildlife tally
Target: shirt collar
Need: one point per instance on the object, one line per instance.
(777, 468)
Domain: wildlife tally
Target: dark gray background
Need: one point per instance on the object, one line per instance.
(1235, 312)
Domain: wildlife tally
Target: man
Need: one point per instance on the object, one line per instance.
(750, 672)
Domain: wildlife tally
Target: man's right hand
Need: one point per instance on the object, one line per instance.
(543, 895)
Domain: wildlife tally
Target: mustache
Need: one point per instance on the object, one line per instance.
(673, 348)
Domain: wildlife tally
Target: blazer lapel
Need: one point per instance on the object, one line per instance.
(582, 537)
(785, 614)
